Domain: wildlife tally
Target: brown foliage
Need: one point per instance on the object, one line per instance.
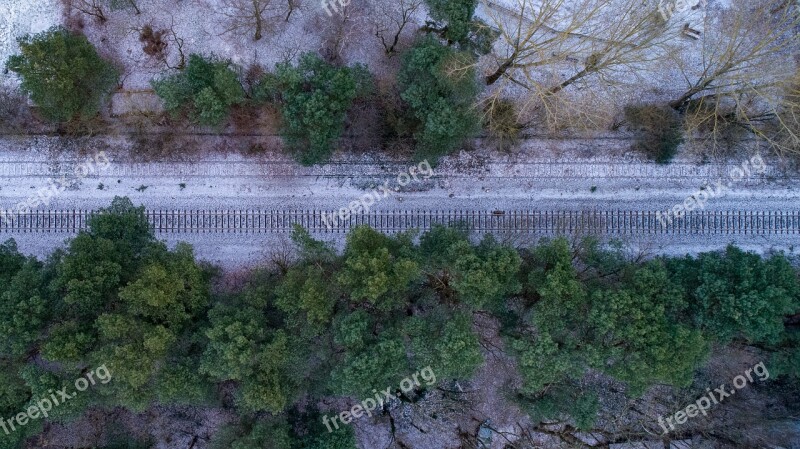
(154, 44)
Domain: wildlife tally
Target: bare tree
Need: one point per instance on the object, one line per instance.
(745, 79)
(179, 42)
(156, 43)
(546, 46)
(291, 5)
(89, 7)
(595, 34)
(339, 31)
(390, 20)
(256, 16)
(742, 49)
(778, 121)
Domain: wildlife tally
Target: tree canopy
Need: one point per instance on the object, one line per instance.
(348, 323)
(63, 74)
(314, 97)
(440, 86)
(207, 89)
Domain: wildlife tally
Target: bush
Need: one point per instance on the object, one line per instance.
(660, 131)
(207, 90)
(63, 74)
(15, 116)
(315, 97)
(501, 122)
(440, 86)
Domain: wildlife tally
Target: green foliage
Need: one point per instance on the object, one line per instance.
(25, 306)
(660, 131)
(561, 402)
(785, 361)
(207, 89)
(440, 86)
(307, 290)
(277, 433)
(453, 20)
(342, 438)
(572, 314)
(445, 343)
(44, 383)
(181, 382)
(456, 14)
(63, 74)
(735, 294)
(625, 329)
(478, 276)
(315, 97)
(378, 269)
(243, 348)
(127, 301)
(272, 434)
(382, 363)
(14, 392)
(643, 345)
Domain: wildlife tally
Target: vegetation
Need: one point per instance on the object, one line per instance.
(454, 21)
(206, 89)
(314, 98)
(440, 86)
(345, 324)
(63, 74)
(660, 131)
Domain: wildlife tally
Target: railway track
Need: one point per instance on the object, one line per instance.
(540, 222)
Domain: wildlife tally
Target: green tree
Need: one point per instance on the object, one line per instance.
(445, 342)
(250, 343)
(440, 86)
(622, 324)
(314, 99)
(479, 276)
(642, 343)
(454, 21)
(308, 293)
(378, 269)
(63, 74)
(274, 433)
(25, 304)
(456, 15)
(735, 294)
(127, 302)
(207, 89)
(382, 362)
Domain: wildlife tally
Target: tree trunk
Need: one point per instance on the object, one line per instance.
(566, 83)
(291, 9)
(491, 79)
(681, 102)
(258, 18)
